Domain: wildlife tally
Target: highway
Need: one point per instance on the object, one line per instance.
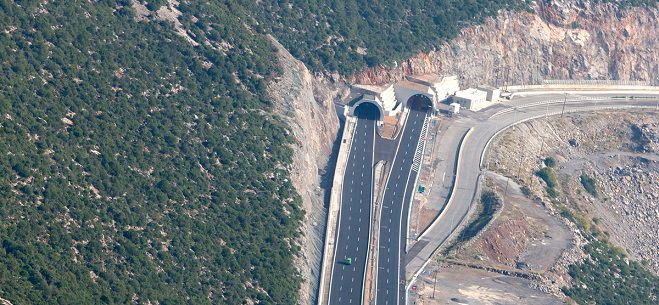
(397, 269)
(353, 227)
(390, 285)
(484, 127)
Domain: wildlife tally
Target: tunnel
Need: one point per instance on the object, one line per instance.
(368, 110)
(419, 102)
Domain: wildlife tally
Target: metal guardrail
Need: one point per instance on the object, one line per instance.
(596, 82)
(548, 102)
(557, 101)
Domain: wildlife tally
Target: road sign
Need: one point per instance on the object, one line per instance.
(422, 189)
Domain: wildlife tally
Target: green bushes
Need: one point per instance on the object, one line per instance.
(168, 184)
(490, 203)
(588, 184)
(609, 278)
(548, 175)
(550, 162)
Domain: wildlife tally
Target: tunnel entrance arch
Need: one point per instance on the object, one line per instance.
(419, 102)
(368, 109)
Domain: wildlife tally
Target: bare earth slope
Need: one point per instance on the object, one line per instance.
(566, 39)
(312, 118)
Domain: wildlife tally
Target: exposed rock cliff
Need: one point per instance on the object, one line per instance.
(307, 105)
(568, 39)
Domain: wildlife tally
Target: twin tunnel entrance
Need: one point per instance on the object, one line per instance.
(351, 251)
(372, 111)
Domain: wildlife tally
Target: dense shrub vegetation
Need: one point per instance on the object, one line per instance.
(343, 35)
(631, 3)
(134, 167)
(608, 277)
(588, 184)
(490, 202)
(548, 175)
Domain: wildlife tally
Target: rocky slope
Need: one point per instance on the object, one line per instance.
(606, 147)
(306, 103)
(567, 39)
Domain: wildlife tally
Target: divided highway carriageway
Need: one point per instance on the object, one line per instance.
(348, 269)
(351, 250)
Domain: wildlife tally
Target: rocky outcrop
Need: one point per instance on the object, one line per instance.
(607, 151)
(568, 39)
(307, 104)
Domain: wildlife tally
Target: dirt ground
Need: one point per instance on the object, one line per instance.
(620, 151)
(464, 285)
(522, 255)
(525, 235)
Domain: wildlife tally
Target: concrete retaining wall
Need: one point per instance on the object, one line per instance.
(334, 211)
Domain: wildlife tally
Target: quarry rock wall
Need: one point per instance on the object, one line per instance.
(560, 40)
(568, 39)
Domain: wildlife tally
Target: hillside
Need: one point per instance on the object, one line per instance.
(140, 159)
(136, 167)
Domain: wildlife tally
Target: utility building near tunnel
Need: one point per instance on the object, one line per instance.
(443, 87)
(471, 98)
(392, 99)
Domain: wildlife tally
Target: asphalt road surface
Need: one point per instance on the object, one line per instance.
(390, 283)
(484, 128)
(353, 228)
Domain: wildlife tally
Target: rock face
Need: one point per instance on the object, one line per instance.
(306, 103)
(568, 39)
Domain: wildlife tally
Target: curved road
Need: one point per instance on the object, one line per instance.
(484, 127)
(393, 217)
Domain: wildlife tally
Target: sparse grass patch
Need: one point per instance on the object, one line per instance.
(588, 183)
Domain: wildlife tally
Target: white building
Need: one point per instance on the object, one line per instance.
(443, 87)
(471, 98)
(493, 94)
(455, 108)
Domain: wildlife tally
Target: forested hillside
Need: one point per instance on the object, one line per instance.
(135, 167)
(139, 161)
(346, 35)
